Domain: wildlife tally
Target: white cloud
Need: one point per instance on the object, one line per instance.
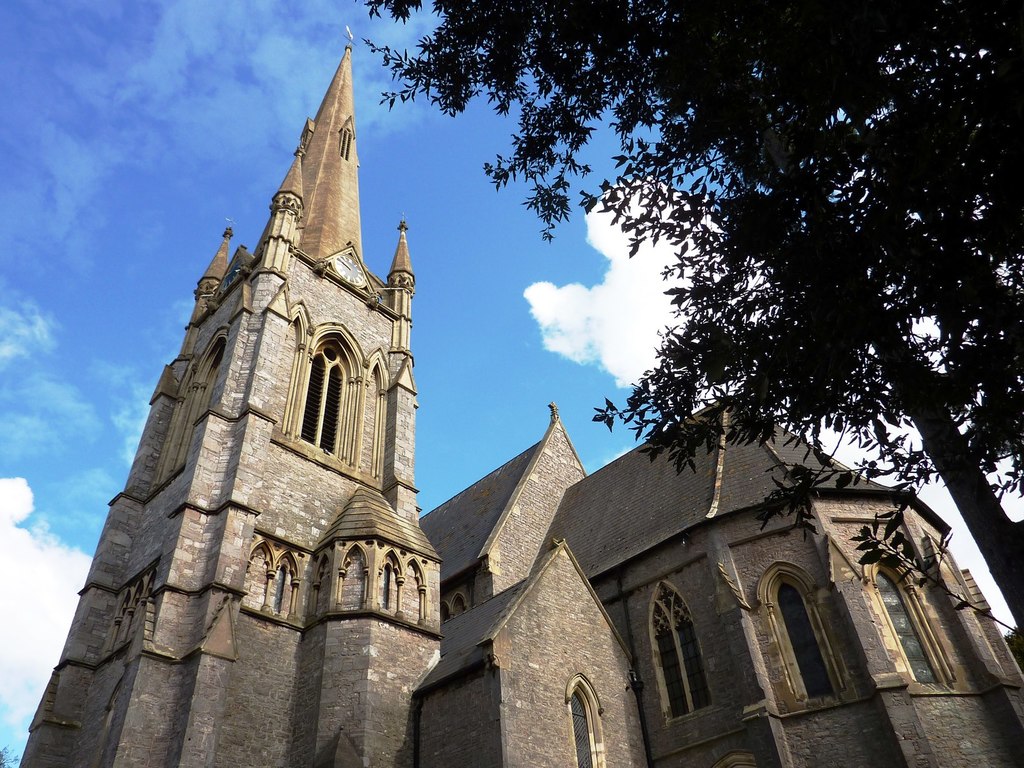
(40, 572)
(24, 331)
(614, 324)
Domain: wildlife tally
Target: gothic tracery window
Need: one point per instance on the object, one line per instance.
(680, 666)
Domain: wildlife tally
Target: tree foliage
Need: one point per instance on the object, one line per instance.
(842, 184)
(1015, 639)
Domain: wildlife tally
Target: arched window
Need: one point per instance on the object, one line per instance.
(385, 587)
(803, 642)
(323, 401)
(346, 136)
(905, 630)
(256, 577)
(320, 586)
(581, 732)
(786, 593)
(445, 613)
(458, 605)
(680, 668)
(194, 400)
(279, 587)
(352, 581)
(585, 715)
(332, 401)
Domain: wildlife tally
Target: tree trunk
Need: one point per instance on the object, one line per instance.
(1000, 540)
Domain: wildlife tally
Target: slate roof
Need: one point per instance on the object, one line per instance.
(459, 528)
(634, 504)
(460, 646)
(368, 515)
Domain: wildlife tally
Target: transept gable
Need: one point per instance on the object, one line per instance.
(459, 527)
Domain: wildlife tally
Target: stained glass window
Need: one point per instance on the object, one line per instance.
(682, 670)
(905, 630)
(804, 642)
(581, 732)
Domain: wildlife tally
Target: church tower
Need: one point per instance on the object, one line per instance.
(262, 593)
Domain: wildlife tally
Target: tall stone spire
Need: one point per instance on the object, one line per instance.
(330, 171)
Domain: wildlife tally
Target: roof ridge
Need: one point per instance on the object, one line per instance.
(476, 482)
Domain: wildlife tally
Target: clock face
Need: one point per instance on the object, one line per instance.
(349, 269)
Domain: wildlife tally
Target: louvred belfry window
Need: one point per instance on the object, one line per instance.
(681, 667)
(323, 416)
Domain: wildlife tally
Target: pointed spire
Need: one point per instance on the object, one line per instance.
(329, 163)
(292, 183)
(401, 262)
(219, 265)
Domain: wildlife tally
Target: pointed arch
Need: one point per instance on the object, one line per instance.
(414, 592)
(585, 717)
(677, 654)
(285, 585)
(788, 594)
(326, 401)
(458, 605)
(321, 586)
(913, 642)
(389, 583)
(352, 579)
(194, 398)
(374, 415)
(346, 138)
(257, 576)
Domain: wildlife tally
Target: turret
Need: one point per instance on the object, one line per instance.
(401, 287)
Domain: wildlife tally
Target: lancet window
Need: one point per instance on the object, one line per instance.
(327, 419)
(905, 629)
(585, 716)
(194, 400)
(679, 662)
(810, 667)
(803, 642)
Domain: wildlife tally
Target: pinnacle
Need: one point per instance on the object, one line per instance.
(292, 183)
(219, 265)
(401, 262)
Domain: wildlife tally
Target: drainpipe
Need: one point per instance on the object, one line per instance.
(417, 708)
(634, 677)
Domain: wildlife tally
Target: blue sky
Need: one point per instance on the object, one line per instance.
(130, 132)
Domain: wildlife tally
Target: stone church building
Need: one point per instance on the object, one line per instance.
(266, 593)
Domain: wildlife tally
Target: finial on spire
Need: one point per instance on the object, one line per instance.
(554, 412)
(402, 226)
(348, 33)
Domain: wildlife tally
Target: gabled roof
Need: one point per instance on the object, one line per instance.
(463, 634)
(634, 504)
(466, 636)
(460, 527)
